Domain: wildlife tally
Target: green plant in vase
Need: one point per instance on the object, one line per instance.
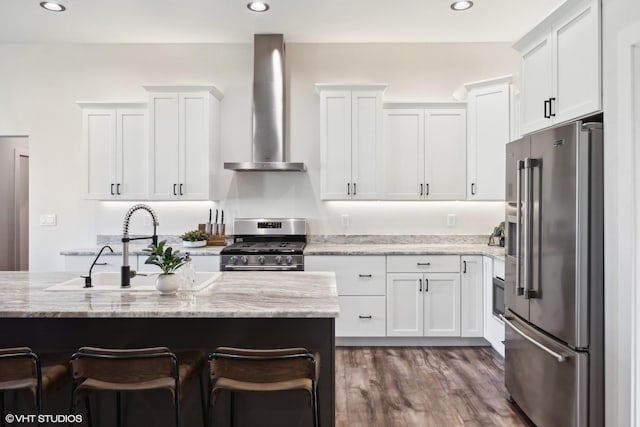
(194, 238)
(169, 261)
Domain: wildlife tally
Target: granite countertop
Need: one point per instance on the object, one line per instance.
(138, 250)
(232, 295)
(404, 249)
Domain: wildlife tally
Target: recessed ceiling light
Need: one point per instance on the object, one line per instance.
(258, 6)
(461, 5)
(52, 6)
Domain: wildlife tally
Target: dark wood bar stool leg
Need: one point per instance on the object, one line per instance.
(119, 409)
(232, 408)
(203, 401)
(2, 408)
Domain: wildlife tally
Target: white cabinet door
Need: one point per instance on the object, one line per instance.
(361, 316)
(441, 305)
(536, 85)
(561, 72)
(335, 143)
(165, 147)
(115, 140)
(488, 134)
(445, 154)
(367, 149)
(99, 135)
(194, 142)
(183, 134)
(577, 64)
(471, 297)
(404, 154)
(132, 154)
(405, 304)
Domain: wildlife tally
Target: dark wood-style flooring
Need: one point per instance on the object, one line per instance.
(422, 386)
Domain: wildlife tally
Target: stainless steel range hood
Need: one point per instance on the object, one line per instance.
(268, 152)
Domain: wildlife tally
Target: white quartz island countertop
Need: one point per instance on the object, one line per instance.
(232, 295)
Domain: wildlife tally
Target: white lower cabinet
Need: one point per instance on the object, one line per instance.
(423, 304)
(361, 289)
(471, 297)
(493, 326)
(361, 316)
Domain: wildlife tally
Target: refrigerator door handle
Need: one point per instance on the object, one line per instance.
(559, 357)
(529, 165)
(519, 168)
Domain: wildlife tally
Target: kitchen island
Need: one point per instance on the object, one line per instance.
(240, 309)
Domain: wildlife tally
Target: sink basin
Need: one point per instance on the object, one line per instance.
(111, 282)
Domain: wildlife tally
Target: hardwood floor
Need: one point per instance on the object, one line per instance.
(422, 386)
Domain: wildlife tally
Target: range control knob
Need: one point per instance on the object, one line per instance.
(244, 259)
(233, 260)
(278, 259)
(261, 259)
(289, 260)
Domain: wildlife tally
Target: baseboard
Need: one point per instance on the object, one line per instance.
(411, 342)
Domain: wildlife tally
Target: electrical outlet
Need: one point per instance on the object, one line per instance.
(48, 219)
(344, 220)
(147, 220)
(451, 220)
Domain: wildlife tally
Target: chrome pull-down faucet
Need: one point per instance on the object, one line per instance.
(126, 272)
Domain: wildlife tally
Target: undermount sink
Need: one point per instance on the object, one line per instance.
(111, 282)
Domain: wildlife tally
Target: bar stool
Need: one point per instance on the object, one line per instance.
(20, 370)
(238, 369)
(134, 370)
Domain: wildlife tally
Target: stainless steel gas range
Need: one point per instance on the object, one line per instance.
(263, 244)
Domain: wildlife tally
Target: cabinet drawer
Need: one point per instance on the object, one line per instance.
(361, 317)
(355, 275)
(423, 264)
(82, 263)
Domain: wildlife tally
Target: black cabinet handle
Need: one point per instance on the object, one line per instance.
(174, 189)
(364, 317)
(118, 189)
(181, 193)
(420, 285)
(365, 275)
(547, 107)
(112, 193)
(421, 190)
(473, 188)
(423, 263)
(426, 284)
(551, 102)
(348, 189)
(354, 189)
(427, 189)
(464, 269)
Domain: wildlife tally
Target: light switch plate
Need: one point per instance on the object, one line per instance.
(344, 220)
(48, 219)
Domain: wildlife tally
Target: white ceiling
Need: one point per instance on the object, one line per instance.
(221, 21)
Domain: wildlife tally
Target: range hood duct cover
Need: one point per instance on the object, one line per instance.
(269, 110)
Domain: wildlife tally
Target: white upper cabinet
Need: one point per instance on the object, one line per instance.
(351, 146)
(560, 74)
(488, 132)
(183, 142)
(425, 152)
(116, 148)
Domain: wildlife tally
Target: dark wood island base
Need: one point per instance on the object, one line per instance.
(281, 409)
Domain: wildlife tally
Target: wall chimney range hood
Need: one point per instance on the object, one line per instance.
(268, 152)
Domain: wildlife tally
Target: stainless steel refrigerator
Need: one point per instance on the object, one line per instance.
(554, 327)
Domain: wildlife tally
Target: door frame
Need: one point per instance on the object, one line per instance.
(17, 154)
(627, 296)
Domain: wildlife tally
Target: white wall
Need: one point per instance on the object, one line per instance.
(41, 84)
(618, 17)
